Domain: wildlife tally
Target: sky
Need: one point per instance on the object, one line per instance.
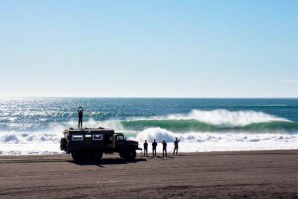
(141, 48)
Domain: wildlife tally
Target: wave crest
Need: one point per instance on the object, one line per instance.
(216, 120)
(222, 117)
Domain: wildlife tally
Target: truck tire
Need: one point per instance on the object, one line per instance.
(131, 155)
(79, 156)
(74, 156)
(122, 155)
(63, 143)
(96, 156)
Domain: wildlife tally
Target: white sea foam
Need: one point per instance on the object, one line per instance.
(23, 143)
(205, 142)
(47, 141)
(44, 141)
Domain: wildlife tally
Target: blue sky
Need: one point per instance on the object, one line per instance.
(149, 48)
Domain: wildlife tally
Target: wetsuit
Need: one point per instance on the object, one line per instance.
(154, 144)
(80, 113)
(164, 149)
(176, 147)
(145, 149)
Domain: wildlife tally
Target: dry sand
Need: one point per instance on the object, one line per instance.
(264, 174)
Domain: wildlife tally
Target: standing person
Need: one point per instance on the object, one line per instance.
(176, 146)
(154, 144)
(164, 148)
(80, 113)
(146, 148)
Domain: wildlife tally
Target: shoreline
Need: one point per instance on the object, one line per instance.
(249, 174)
(170, 153)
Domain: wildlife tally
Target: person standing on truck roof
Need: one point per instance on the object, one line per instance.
(164, 148)
(145, 148)
(80, 113)
(176, 146)
(154, 144)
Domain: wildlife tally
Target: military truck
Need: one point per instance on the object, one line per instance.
(89, 144)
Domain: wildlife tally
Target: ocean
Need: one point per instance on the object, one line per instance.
(35, 125)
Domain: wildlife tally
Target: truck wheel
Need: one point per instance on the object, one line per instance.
(74, 157)
(79, 156)
(63, 143)
(122, 155)
(96, 156)
(131, 155)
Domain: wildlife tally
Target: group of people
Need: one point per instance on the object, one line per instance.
(164, 148)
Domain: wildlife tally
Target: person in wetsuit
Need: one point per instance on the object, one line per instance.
(80, 113)
(145, 148)
(164, 148)
(176, 146)
(154, 144)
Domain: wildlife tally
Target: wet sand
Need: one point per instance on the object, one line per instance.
(263, 174)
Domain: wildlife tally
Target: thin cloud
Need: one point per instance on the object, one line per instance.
(290, 81)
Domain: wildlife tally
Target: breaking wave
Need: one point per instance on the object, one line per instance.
(216, 120)
(205, 142)
(194, 125)
(24, 143)
(222, 117)
(216, 130)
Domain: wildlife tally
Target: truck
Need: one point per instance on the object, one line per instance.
(89, 144)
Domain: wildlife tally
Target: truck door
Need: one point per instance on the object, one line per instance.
(120, 142)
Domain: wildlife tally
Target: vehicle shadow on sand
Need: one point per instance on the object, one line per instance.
(107, 161)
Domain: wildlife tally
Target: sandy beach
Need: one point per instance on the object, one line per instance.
(263, 174)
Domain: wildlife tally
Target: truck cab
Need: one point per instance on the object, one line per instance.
(118, 141)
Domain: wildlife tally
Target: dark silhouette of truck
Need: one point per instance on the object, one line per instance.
(89, 144)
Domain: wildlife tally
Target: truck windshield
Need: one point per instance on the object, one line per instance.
(120, 137)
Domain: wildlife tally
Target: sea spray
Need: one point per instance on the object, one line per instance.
(35, 125)
(220, 117)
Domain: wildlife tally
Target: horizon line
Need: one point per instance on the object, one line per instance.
(147, 97)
